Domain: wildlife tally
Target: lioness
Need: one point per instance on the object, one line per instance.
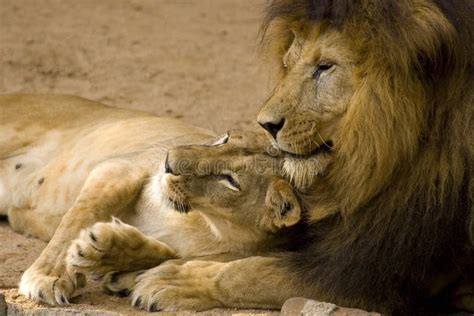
(68, 163)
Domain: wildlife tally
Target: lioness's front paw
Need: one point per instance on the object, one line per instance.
(115, 246)
(93, 250)
(53, 287)
(173, 287)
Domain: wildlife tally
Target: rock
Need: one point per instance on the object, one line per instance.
(306, 307)
(3, 305)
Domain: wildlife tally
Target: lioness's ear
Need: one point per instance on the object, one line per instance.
(284, 204)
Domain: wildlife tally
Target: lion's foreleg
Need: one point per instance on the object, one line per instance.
(110, 190)
(255, 282)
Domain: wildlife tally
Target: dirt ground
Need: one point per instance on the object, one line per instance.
(195, 59)
(192, 59)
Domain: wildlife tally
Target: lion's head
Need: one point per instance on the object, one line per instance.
(371, 88)
(232, 181)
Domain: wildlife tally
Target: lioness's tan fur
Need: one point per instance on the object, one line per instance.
(67, 163)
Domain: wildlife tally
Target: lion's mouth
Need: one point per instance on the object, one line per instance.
(326, 147)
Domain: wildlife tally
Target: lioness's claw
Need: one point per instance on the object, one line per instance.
(120, 283)
(49, 289)
(136, 302)
(154, 308)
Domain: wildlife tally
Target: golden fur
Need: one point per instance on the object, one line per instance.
(374, 108)
(396, 107)
(67, 165)
(381, 105)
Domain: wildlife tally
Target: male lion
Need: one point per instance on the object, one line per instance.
(387, 86)
(67, 163)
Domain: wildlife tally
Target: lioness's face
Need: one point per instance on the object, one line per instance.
(231, 179)
(312, 94)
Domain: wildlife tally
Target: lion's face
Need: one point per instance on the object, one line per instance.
(313, 93)
(231, 179)
(356, 94)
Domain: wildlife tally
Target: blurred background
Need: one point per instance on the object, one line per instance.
(192, 59)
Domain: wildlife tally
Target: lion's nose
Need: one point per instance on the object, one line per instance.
(273, 128)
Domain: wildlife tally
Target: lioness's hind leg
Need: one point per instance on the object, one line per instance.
(25, 221)
(115, 246)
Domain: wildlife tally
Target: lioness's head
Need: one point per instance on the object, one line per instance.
(361, 84)
(232, 180)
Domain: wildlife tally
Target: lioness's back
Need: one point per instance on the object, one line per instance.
(50, 144)
(25, 118)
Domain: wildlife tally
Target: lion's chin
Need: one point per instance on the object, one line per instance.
(303, 170)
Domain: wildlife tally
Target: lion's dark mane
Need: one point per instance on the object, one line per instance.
(389, 250)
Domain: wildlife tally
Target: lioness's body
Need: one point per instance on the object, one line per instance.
(49, 146)
(67, 163)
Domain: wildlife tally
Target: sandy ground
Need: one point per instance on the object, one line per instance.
(193, 59)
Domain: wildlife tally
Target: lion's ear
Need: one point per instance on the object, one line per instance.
(283, 203)
(291, 55)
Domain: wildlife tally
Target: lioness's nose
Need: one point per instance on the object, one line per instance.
(273, 128)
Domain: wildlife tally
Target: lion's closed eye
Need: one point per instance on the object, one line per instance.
(321, 68)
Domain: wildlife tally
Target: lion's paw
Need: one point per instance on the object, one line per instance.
(52, 288)
(173, 287)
